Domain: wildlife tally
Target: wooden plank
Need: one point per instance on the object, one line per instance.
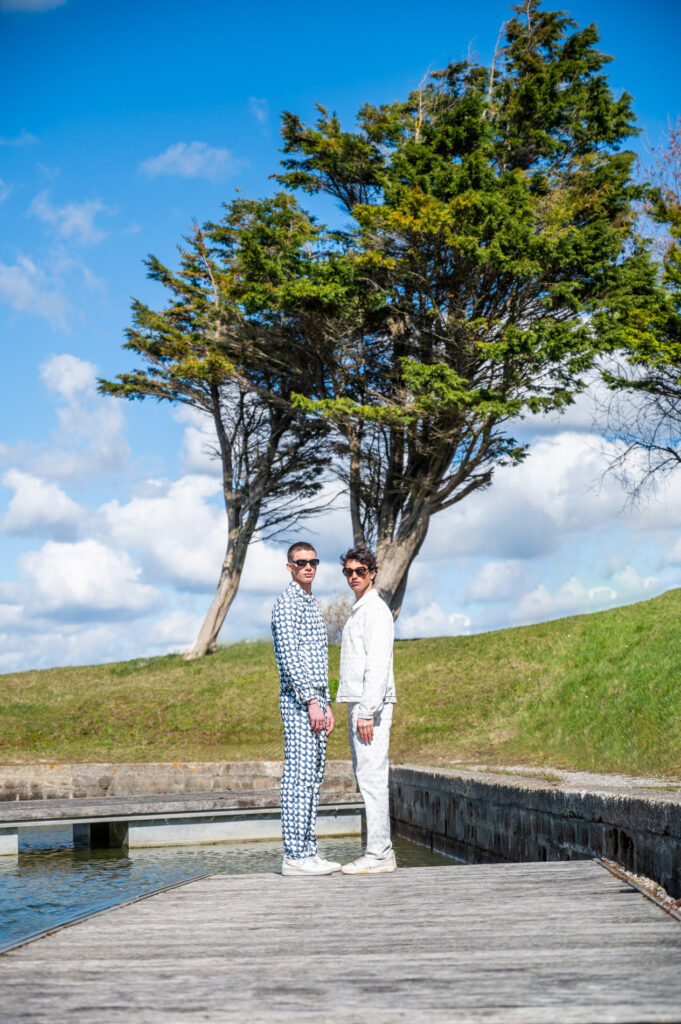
(557, 942)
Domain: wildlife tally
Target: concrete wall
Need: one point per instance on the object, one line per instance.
(79, 781)
(484, 817)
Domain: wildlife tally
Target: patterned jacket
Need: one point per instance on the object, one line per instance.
(300, 644)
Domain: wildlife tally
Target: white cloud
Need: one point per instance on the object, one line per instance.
(574, 597)
(73, 220)
(259, 109)
(199, 442)
(68, 376)
(5, 190)
(85, 578)
(39, 508)
(28, 289)
(89, 438)
(571, 598)
(29, 6)
(194, 160)
(176, 631)
(529, 509)
(673, 556)
(496, 581)
(432, 620)
(179, 536)
(24, 138)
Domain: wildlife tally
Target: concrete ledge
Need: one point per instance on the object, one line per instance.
(486, 817)
(9, 842)
(192, 831)
(85, 781)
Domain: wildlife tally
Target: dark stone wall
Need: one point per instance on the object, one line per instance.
(482, 817)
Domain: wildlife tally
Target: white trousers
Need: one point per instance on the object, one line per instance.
(370, 761)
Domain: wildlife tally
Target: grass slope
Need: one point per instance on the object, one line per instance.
(595, 692)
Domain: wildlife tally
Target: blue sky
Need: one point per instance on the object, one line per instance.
(126, 122)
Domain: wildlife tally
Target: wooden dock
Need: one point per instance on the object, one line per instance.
(554, 942)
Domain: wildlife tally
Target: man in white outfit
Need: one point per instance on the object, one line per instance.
(367, 686)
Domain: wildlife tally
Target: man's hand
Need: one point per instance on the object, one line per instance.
(317, 720)
(365, 728)
(330, 721)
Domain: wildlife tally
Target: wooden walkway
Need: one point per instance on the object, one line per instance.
(555, 943)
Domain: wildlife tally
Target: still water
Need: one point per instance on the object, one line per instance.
(51, 883)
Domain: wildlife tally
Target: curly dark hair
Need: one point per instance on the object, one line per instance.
(362, 554)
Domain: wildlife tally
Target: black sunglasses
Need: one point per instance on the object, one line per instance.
(361, 572)
(302, 562)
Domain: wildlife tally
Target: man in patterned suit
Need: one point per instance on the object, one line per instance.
(301, 652)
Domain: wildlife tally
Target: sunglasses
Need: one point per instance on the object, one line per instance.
(302, 562)
(361, 572)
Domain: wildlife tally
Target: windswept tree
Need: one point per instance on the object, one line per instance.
(644, 413)
(492, 239)
(209, 348)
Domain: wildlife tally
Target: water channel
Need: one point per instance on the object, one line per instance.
(50, 883)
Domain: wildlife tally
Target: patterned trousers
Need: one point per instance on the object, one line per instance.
(304, 763)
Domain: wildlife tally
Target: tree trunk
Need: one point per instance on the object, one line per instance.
(230, 577)
(394, 558)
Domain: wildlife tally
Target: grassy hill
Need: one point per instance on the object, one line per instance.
(594, 692)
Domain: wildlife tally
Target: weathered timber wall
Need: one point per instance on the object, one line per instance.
(483, 817)
(79, 781)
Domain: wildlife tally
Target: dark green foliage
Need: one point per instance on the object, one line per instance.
(493, 227)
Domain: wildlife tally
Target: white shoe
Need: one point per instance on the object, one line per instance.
(308, 866)
(330, 865)
(371, 865)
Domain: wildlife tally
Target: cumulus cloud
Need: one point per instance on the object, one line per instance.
(176, 631)
(86, 579)
(26, 288)
(39, 508)
(432, 620)
(194, 160)
(75, 221)
(574, 597)
(89, 437)
(571, 598)
(68, 376)
(496, 581)
(180, 537)
(199, 442)
(529, 509)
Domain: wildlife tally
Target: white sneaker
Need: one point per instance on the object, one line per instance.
(371, 865)
(308, 866)
(331, 865)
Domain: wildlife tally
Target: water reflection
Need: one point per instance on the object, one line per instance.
(50, 882)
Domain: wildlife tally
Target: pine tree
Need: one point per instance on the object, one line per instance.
(494, 257)
(207, 350)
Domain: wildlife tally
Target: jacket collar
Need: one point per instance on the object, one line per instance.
(295, 588)
(369, 596)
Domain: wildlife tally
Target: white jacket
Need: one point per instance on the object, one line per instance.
(366, 663)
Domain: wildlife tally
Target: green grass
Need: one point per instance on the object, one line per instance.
(593, 692)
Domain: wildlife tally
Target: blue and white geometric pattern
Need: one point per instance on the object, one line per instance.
(300, 644)
(301, 651)
(304, 762)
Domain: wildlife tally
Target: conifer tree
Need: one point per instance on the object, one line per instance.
(210, 350)
(493, 248)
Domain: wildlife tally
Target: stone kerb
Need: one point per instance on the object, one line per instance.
(82, 781)
(485, 817)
